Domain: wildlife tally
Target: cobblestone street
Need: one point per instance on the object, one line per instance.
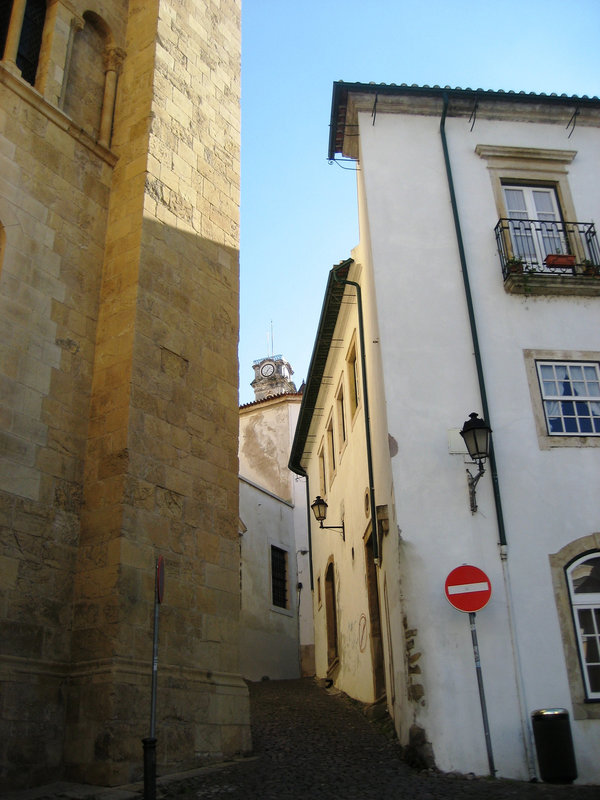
(312, 743)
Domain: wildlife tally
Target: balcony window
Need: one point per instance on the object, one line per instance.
(543, 254)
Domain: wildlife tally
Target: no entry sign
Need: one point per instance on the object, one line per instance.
(468, 588)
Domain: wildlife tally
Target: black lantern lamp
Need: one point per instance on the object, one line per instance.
(476, 433)
(319, 508)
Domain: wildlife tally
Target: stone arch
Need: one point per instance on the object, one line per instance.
(85, 82)
(94, 64)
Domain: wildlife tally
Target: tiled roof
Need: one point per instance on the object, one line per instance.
(334, 295)
(270, 397)
(341, 89)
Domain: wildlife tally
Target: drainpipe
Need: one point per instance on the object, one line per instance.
(525, 730)
(363, 364)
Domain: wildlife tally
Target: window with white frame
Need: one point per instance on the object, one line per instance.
(535, 224)
(571, 397)
(583, 577)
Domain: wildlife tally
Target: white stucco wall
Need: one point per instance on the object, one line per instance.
(269, 634)
(275, 642)
(431, 386)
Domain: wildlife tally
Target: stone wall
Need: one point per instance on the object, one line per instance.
(119, 306)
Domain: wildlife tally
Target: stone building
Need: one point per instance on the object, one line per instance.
(119, 199)
(475, 288)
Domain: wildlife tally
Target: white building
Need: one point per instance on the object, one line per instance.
(455, 188)
(276, 626)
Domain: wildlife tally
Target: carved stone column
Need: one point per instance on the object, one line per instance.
(13, 36)
(113, 61)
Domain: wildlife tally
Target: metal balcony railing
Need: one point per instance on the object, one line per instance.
(539, 247)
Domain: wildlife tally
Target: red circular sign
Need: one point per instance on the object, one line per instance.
(468, 588)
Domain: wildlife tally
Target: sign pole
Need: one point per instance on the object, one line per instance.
(486, 725)
(468, 589)
(150, 742)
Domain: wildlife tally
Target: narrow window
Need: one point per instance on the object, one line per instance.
(571, 397)
(279, 578)
(330, 449)
(322, 478)
(583, 577)
(341, 416)
(353, 393)
(331, 616)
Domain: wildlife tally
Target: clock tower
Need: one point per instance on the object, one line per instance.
(272, 376)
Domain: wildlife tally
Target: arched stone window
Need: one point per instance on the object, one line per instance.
(575, 572)
(583, 577)
(85, 83)
(331, 616)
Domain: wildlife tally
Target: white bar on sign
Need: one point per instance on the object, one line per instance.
(469, 587)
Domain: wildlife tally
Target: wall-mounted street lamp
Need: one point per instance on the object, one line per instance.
(476, 433)
(319, 508)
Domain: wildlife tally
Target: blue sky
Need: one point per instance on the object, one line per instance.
(298, 212)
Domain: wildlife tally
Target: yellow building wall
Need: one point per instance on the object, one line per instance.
(118, 366)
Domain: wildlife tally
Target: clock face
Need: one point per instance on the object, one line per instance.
(267, 370)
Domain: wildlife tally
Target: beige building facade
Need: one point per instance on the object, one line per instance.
(119, 199)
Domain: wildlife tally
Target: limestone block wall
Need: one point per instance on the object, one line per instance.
(118, 405)
(53, 198)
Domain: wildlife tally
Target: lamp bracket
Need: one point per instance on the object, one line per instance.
(473, 480)
(335, 528)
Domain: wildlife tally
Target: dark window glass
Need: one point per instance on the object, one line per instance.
(279, 576)
(5, 9)
(31, 39)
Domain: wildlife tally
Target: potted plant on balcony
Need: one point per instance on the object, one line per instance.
(589, 268)
(560, 260)
(514, 265)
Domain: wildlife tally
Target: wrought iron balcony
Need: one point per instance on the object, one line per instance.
(547, 257)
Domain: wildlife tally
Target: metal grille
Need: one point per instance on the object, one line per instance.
(547, 248)
(279, 576)
(31, 39)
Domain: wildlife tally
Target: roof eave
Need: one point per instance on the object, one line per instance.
(341, 91)
(332, 302)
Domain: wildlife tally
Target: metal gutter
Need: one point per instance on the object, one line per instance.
(525, 730)
(472, 323)
(363, 363)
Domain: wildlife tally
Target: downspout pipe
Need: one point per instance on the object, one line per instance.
(363, 364)
(527, 743)
(473, 325)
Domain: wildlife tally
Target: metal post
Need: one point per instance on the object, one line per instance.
(486, 725)
(150, 742)
(149, 768)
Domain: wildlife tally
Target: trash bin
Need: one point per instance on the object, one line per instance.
(554, 745)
